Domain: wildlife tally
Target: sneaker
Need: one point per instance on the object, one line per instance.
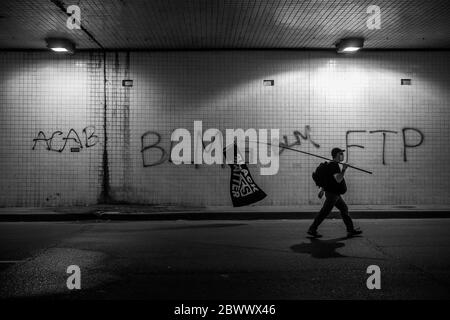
(314, 233)
(354, 232)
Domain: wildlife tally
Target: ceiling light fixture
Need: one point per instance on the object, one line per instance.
(60, 45)
(350, 45)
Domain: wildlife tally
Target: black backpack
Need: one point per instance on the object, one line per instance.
(320, 175)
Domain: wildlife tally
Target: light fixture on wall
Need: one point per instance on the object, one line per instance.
(60, 45)
(350, 45)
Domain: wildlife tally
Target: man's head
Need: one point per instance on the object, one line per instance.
(337, 154)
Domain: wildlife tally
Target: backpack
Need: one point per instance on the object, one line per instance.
(320, 175)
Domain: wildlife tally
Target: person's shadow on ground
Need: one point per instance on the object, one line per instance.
(321, 249)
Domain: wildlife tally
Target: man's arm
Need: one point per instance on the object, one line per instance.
(340, 176)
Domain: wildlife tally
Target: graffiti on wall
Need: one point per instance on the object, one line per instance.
(151, 140)
(146, 148)
(58, 141)
(154, 154)
(407, 135)
(298, 136)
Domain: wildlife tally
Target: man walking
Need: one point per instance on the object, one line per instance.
(335, 186)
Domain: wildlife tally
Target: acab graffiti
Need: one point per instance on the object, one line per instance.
(58, 142)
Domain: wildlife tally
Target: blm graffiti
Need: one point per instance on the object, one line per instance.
(243, 189)
(298, 136)
(153, 153)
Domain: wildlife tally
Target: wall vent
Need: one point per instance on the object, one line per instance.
(406, 82)
(127, 83)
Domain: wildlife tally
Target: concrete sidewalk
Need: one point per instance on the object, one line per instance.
(173, 212)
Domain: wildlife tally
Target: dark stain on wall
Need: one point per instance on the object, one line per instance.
(126, 126)
(105, 193)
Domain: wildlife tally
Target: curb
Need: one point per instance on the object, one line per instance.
(195, 215)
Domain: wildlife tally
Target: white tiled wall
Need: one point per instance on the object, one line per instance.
(45, 93)
(329, 93)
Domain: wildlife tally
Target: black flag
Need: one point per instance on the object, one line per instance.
(243, 189)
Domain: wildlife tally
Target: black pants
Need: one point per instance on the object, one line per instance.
(333, 200)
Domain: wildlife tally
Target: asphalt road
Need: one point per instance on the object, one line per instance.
(257, 259)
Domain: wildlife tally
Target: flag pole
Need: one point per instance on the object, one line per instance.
(314, 155)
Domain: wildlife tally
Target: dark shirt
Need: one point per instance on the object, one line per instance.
(332, 185)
